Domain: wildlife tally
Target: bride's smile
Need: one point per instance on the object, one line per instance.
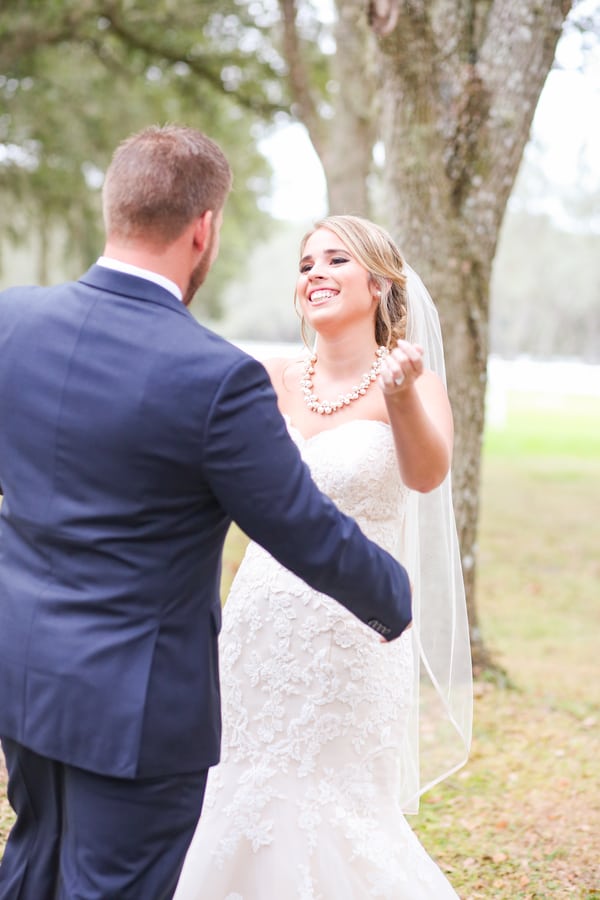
(321, 296)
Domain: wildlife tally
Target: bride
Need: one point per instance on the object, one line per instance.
(330, 735)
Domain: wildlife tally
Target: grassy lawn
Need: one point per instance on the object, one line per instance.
(522, 820)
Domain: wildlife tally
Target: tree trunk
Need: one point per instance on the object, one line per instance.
(460, 83)
(348, 156)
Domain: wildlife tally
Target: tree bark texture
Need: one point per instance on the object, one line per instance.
(342, 127)
(459, 84)
(349, 156)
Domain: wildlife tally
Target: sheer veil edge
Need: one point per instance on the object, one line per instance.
(439, 736)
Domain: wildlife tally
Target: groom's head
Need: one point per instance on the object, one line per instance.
(159, 180)
(163, 200)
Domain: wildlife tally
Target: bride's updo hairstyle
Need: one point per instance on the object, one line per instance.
(374, 249)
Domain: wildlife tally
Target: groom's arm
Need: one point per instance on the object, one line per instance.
(256, 472)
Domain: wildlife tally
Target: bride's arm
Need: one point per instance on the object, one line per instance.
(420, 417)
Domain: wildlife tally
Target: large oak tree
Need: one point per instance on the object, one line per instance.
(448, 88)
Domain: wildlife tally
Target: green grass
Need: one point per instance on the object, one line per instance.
(521, 821)
(541, 425)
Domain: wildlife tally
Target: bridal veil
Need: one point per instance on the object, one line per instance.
(439, 737)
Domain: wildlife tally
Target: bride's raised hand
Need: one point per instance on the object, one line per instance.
(401, 367)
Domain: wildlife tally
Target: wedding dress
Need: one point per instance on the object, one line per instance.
(306, 803)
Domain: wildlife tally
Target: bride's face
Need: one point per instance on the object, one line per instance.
(333, 289)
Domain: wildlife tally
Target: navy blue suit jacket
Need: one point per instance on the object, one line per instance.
(130, 437)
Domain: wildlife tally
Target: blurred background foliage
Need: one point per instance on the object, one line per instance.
(78, 77)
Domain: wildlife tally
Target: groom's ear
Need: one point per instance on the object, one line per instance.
(201, 234)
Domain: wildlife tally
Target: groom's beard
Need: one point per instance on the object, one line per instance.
(200, 272)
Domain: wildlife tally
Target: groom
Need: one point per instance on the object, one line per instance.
(131, 437)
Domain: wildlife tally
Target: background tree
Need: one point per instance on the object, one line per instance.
(77, 76)
(461, 82)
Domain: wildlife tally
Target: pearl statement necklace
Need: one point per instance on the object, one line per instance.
(326, 407)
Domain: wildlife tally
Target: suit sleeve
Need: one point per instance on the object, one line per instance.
(257, 474)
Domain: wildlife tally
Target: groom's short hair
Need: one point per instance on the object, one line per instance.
(160, 179)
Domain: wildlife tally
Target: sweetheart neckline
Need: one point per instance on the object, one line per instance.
(317, 434)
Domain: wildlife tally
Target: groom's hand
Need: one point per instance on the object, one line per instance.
(384, 640)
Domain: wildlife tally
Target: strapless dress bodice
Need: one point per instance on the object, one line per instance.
(355, 465)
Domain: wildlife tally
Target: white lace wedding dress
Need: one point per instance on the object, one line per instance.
(304, 804)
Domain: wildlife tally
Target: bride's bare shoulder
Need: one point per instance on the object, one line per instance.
(283, 368)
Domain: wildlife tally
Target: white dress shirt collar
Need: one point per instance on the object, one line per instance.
(109, 263)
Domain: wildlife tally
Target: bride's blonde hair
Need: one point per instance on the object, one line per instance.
(375, 250)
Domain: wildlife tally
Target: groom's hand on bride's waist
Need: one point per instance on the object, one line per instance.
(383, 640)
